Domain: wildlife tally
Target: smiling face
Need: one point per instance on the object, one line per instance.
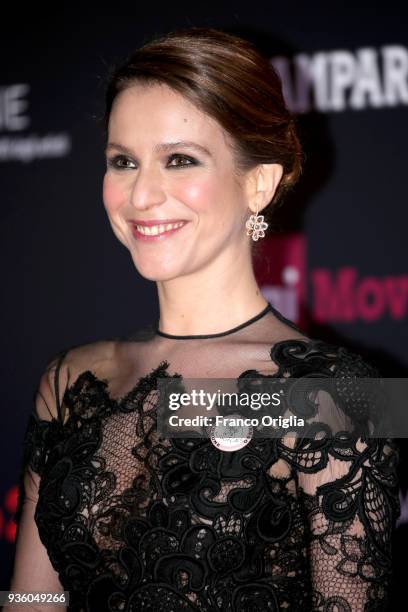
(149, 179)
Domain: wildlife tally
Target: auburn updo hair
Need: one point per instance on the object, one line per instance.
(228, 78)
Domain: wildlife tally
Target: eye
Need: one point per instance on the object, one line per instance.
(190, 161)
(116, 162)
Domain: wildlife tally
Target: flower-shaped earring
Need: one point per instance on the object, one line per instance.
(256, 225)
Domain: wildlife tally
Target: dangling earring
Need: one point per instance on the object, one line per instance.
(256, 225)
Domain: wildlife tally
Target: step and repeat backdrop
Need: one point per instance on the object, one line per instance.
(337, 263)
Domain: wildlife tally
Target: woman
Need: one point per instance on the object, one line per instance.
(199, 143)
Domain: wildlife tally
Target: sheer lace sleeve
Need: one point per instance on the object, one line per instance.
(349, 490)
(43, 422)
(33, 570)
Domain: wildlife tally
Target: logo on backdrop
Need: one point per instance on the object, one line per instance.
(17, 144)
(343, 296)
(337, 296)
(340, 80)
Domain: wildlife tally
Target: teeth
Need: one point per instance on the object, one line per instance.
(154, 230)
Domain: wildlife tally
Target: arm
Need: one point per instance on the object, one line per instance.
(33, 570)
(350, 495)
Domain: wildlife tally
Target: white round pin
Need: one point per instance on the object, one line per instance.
(230, 437)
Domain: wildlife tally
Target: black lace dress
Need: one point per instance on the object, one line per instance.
(134, 522)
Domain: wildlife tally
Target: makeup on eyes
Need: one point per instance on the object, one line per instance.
(113, 161)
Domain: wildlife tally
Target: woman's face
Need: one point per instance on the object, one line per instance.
(150, 178)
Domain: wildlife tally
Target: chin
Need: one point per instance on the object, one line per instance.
(155, 271)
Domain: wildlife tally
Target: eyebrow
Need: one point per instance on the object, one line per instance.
(164, 146)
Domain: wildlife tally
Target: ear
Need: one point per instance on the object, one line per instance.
(263, 180)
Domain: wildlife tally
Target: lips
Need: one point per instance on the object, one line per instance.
(154, 237)
(152, 222)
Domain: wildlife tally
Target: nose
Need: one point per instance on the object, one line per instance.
(147, 189)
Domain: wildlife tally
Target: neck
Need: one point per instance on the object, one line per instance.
(209, 301)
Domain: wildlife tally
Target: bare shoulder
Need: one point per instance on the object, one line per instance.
(97, 356)
(64, 367)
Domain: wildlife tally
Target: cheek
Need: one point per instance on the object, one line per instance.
(201, 195)
(113, 194)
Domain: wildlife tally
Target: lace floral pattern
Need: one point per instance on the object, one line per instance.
(134, 522)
